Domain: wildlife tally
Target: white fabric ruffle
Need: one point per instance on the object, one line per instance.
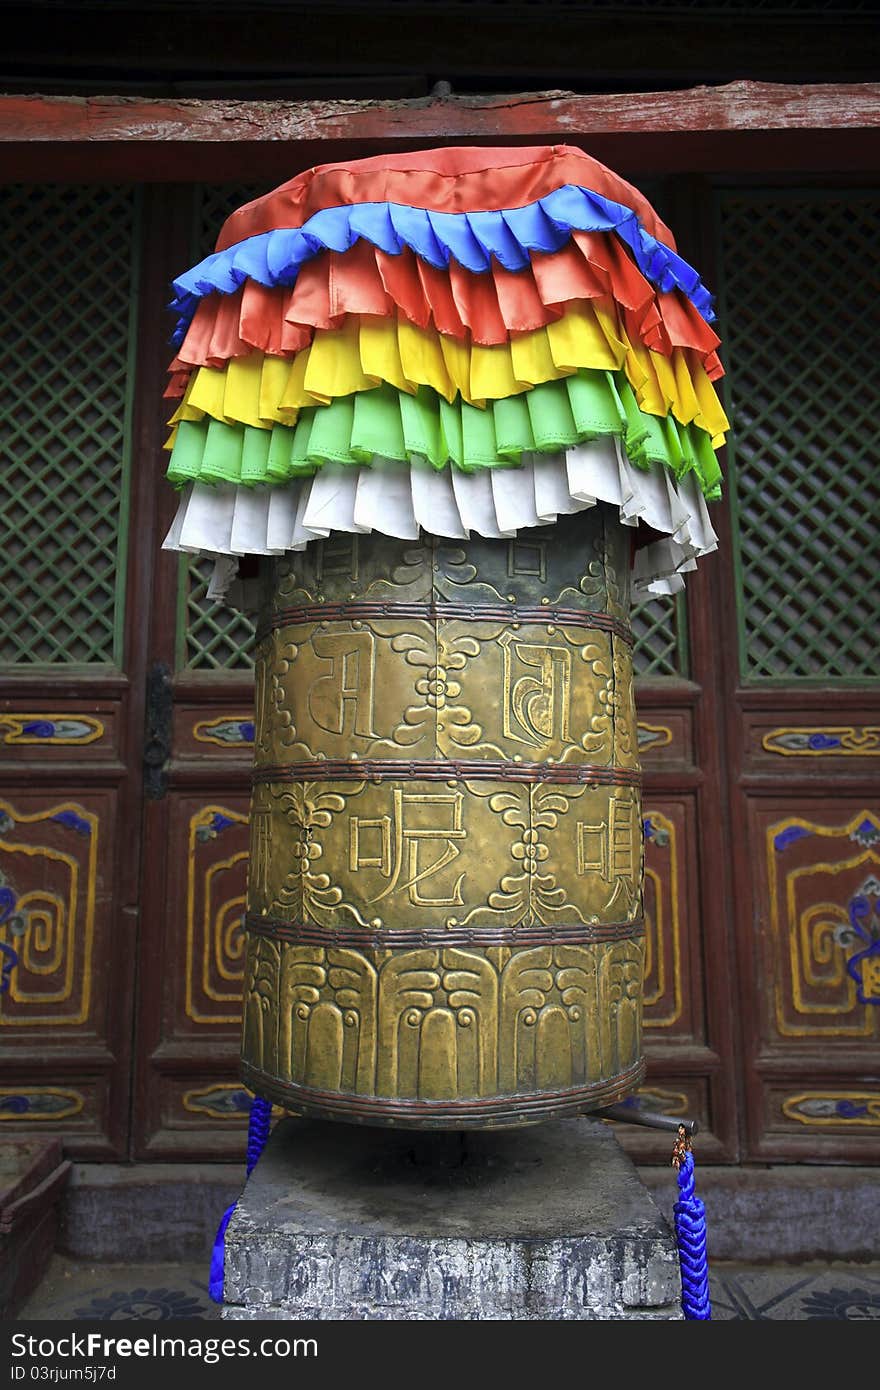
(404, 499)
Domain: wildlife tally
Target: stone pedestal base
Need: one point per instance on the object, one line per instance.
(547, 1222)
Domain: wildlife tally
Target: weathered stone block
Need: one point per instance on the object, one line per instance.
(546, 1222)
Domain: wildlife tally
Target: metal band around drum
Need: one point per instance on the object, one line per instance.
(458, 769)
(443, 1114)
(366, 938)
(431, 612)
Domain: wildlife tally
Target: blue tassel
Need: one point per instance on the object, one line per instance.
(690, 1232)
(259, 1124)
(218, 1257)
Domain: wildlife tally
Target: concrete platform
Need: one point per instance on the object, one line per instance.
(152, 1213)
(547, 1222)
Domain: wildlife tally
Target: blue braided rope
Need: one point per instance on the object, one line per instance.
(218, 1257)
(259, 1124)
(690, 1232)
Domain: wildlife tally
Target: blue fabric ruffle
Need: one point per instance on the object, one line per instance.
(471, 238)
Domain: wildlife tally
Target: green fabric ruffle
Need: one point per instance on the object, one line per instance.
(352, 429)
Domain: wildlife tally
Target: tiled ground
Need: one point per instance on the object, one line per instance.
(785, 1293)
(78, 1289)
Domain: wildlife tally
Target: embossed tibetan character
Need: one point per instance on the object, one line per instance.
(444, 904)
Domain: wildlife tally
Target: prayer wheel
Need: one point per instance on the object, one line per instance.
(444, 907)
(451, 407)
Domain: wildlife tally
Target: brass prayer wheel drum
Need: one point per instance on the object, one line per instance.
(444, 904)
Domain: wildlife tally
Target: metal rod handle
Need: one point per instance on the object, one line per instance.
(651, 1119)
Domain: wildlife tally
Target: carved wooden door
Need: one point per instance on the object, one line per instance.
(77, 546)
(196, 844)
(182, 701)
(189, 1101)
(123, 786)
(123, 889)
(800, 617)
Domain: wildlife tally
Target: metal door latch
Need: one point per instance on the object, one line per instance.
(157, 737)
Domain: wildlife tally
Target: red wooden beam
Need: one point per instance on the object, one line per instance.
(743, 125)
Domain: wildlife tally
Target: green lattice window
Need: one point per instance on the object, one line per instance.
(210, 637)
(660, 633)
(67, 300)
(801, 329)
(212, 204)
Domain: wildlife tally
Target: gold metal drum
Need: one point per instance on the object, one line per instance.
(444, 906)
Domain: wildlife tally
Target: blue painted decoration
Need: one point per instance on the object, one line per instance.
(788, 837)
(220, 1100)
(848, 1110)
(66, 729)
(215, 825)
(17, 1105)
(864, 966)
(73, 822)
(867, 834)
(234, 731)
(8, 954)
(39, 1103)
(656, 833)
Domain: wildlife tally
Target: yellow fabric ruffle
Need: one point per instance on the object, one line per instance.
(261, 391)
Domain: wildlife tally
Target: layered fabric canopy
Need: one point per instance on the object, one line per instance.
(453, 341)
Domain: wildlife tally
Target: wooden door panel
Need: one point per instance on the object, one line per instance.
(811, 741)
(831, 1119)
(211, 902)
(84, 729)
(691, 987)
(803, 713)
(673, 1008)
(190, 1100)
(73, 576)
(196, 1006)
(818, 862)
(817, 927)
(56, 849)
(685, 1069)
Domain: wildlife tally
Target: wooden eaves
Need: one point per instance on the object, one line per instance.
(740, 126)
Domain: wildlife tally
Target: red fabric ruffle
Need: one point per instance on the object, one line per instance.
(484, 308)
(457, 179)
